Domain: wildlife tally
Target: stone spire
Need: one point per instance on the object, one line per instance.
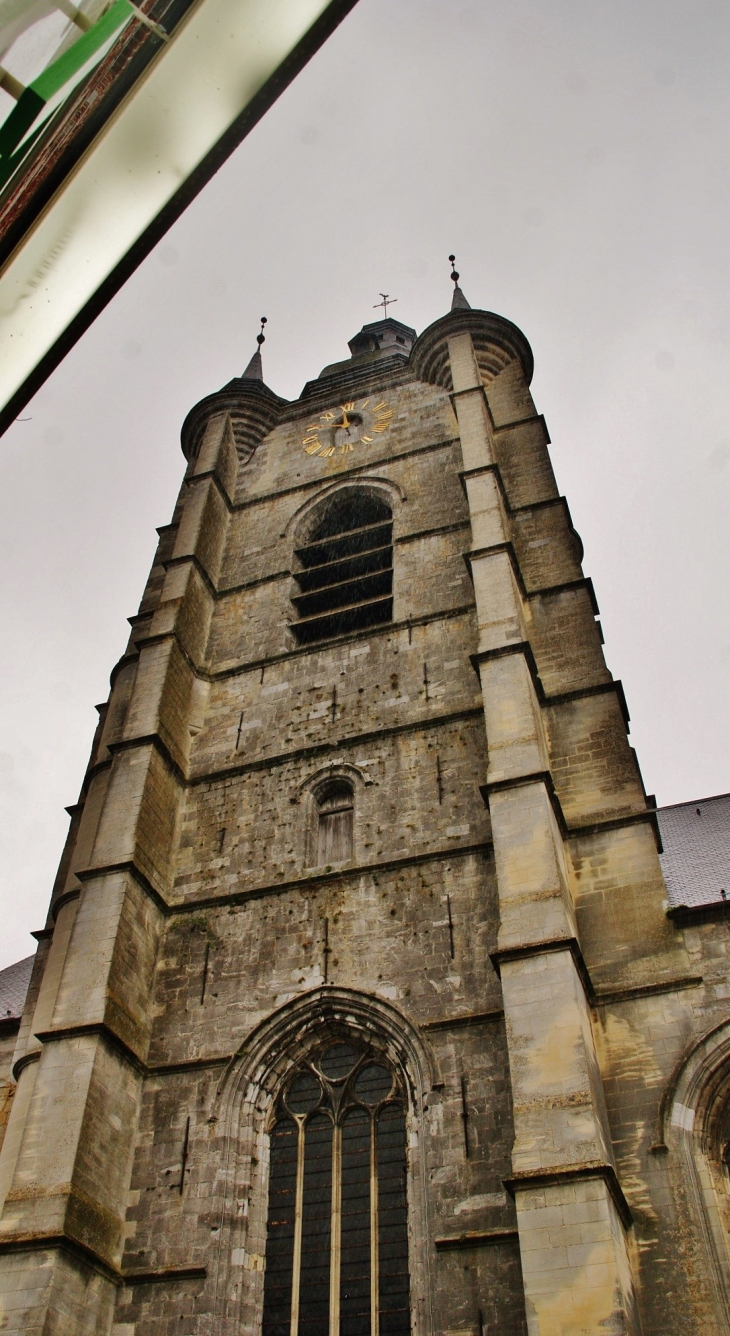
(255, 370)
(458, 301)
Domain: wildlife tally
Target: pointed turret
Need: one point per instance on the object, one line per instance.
(458, 301)
(252, 409)
(255, 370)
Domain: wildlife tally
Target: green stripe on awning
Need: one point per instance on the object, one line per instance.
(63, 69)
(52, 80)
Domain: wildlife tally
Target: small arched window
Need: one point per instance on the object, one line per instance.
(335, 820)
(346, 567)
(337, 1237)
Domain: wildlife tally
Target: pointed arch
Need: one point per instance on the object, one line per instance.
(243, 1117)
(314, 795)
(694, 1128)
(390, 491)
(343, 563)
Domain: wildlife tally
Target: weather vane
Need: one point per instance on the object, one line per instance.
(454, 275)
(386, 302)
(261, 338)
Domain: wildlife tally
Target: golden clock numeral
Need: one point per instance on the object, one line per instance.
(377, 428)
(313, 448)
(328, 450)
(328, 417)
(366, 439)
(347, 408)
(364, 403)
(381, 405)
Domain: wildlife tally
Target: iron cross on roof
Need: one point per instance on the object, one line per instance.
(386, 302)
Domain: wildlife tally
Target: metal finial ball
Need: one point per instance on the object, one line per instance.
(454, 274)
(261, 338)
(452, 258)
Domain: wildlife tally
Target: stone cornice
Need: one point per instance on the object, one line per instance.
(315, 878)
(81, 1252)
(685, 916)
(549, 946)
(477, 1238)
(464, 1022)
(647, 816)
(96, 1029)
(574, 1173)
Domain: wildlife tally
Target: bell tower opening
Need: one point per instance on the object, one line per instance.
(345, 578)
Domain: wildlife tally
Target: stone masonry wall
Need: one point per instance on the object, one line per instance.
(501, 932)
(413, 921)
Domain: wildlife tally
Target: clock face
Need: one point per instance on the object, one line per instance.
(339, 430)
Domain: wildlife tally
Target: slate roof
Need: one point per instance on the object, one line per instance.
(13, 988)
(696, 858)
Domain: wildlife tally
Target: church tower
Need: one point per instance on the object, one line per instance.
(358, 1001)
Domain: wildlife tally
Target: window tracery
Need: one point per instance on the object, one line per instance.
(337, 1244)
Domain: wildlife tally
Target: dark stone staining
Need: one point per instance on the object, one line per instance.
(465, 1116)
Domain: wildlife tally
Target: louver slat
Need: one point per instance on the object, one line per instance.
(346, 580)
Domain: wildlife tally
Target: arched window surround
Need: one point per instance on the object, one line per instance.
(335, 822)
(693, 1133)
(243, 1113)
(300, 530)
(312, 797)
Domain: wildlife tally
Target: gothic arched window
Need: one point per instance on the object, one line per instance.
(335, 819)
(337, 1240)
(346, 567)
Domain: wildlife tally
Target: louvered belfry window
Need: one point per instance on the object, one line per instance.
(337, 1240)
(346, 568)
(335, 815)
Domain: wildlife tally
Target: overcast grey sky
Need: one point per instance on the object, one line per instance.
(574, 155)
